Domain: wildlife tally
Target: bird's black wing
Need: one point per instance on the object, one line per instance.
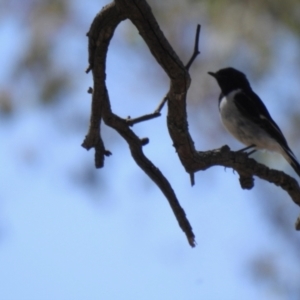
(251, 107)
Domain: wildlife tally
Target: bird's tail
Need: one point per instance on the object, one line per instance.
(291, 158)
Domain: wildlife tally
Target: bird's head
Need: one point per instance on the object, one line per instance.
(230, 79)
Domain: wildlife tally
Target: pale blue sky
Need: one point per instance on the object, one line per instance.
(61, 240)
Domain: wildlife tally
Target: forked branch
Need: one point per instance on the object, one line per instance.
(99, 35)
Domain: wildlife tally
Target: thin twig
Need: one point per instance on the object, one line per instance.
(161, 104)
(143, 118)
(192, 177)
(196, 48)
(188, 65)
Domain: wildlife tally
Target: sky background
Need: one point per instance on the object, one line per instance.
(68, 231)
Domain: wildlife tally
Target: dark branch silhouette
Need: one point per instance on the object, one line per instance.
(196, 48)
(99, 36)
(131, 122)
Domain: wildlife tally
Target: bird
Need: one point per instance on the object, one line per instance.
(246, 117)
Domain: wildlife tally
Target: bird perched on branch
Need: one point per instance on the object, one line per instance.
(246, 117)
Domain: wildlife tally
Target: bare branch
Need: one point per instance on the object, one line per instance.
(161, 104)
(99, 35)
(131, 122)
(246, 167)
(196, 48)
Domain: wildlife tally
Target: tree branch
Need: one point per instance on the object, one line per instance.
(99, 35)
(196, 48)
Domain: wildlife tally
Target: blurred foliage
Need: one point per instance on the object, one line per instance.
(255, 23)
(248, 34)
(36, 70)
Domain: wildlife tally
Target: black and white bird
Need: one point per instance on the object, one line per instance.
(245, 116)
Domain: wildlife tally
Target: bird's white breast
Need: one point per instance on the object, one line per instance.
(230, 115)
(242, 128)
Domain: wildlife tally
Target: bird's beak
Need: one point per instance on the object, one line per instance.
(212, 74)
